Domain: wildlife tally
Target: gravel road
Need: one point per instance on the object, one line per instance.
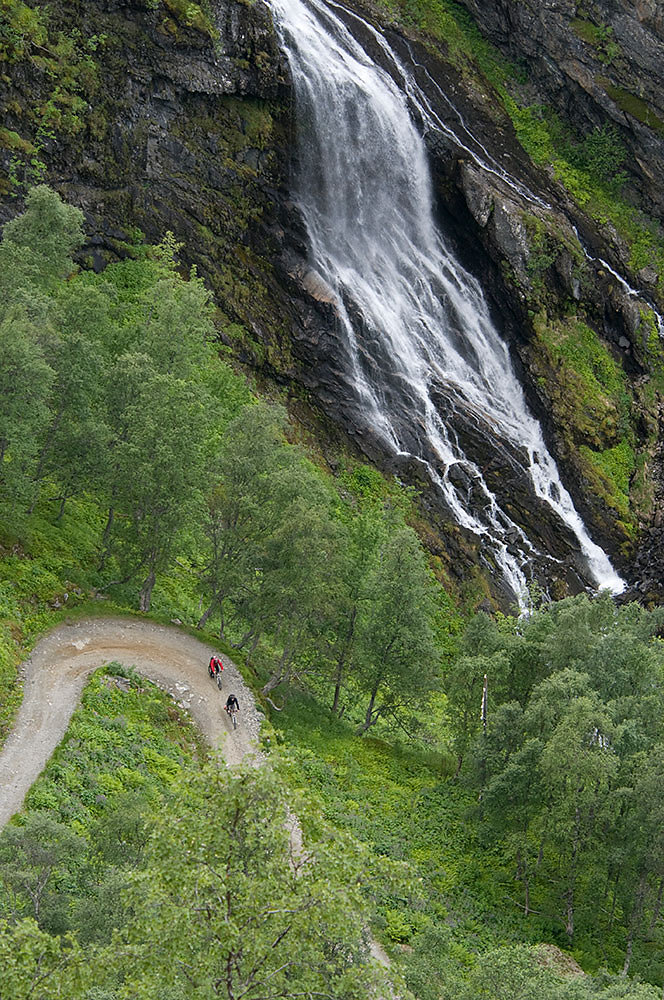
(60, 663)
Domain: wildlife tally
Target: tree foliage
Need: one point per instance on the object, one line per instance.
(228, 906)
(568, 770)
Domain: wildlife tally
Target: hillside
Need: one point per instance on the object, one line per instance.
(194, 135)
(331, 340)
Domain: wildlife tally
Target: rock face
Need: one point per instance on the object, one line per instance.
(551, 276)
(597, 63)
(179, 129)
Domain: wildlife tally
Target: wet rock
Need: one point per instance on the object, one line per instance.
(479, 196)
(648, 276)
(510, 236)
(178, 136)
(597, 64)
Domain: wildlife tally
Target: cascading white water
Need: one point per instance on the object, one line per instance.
(418, 333)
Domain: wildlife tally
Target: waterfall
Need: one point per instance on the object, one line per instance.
(431, 377)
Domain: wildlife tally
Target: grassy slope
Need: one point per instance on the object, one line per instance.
(54, 559)
(125, 736)
(436, 876)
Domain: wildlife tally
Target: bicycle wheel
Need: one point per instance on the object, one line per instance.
(234, 720)
(219, 680)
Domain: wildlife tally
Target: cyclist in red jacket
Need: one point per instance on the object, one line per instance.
(215, 666)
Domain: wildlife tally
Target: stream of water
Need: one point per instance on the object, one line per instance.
(424, 359)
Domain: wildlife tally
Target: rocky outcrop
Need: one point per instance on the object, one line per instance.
(178, 127)
(551, 275)
(598, 63)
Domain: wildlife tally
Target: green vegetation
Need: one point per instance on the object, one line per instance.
(591, 170)
(601, 405)
(592, 405)
(615, 468)
(563, 772)
(600, 37)
(66, 862)
(37, 572)
(64, 63)
(135, 462)
(193, 15)
(634, 106)
(140, 869)
(126, 739)
(120, 406)
(494, 858)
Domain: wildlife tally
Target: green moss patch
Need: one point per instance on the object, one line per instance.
(192, 15)
(633, 105)
(593, 389)
(599, 37)
(613, 469)
(591, 403)
(586, 31)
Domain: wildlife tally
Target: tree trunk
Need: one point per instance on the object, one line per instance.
(628, 952)
(273, 682)
(368, 721)
(522, 876)
(282, 671)
(569, 927)
(254, 644)
(571, 883)
(105, 538)
(634, 919)
(341, 662)
(109, 526)
(658, 906)
(244, 640)
(337, 684)
(146, 591)
(614, 900)
(44, 452)
(63, 501)
(204, 617)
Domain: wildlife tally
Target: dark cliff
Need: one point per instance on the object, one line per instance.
(597, 62)
(163, 122)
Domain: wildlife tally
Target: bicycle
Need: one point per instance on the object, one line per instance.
(219, 679)
(233, 714)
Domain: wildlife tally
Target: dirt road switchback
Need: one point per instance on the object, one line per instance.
(55, 675)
